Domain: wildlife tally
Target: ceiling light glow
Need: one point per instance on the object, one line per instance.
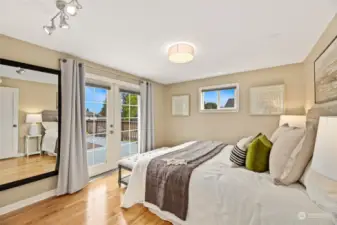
(71, 10)
(181, 53)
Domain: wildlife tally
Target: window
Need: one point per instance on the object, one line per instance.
(130, 122)
(221, 98)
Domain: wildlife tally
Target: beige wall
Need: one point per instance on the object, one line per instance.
(170, 130)
(229, 127)
(21, 51)
(31, 101)
(329, 34)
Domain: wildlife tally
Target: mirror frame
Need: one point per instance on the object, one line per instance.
(55, 172)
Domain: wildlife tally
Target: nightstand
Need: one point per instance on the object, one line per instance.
(28, 138)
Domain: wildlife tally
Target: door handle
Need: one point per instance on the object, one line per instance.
(14, 125)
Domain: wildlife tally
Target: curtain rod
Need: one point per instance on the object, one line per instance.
(116, 75)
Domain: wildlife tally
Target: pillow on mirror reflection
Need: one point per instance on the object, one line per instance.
(50, 126)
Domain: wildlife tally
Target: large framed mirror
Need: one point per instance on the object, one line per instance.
(30, 123)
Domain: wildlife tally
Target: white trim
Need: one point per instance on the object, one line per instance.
(26, 202)
(20, 154)
(139, 121)
(218, 86)
(220, 110)
(110, 80)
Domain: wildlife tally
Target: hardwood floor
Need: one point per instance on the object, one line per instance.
(22, 167)
(97, 204)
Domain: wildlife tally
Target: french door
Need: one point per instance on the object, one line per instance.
(102, 133)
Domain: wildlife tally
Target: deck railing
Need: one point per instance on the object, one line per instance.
(98, 127)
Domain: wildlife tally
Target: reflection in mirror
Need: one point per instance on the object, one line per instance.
(28, 123)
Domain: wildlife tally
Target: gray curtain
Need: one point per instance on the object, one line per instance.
(73, 169)
(146, 117)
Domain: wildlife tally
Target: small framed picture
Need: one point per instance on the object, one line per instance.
(181, 105)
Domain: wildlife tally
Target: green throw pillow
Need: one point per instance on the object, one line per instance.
(258, 152)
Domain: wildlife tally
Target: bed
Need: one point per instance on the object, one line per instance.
(50, 132)
(219, 194)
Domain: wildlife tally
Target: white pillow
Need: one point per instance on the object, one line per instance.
(279, 131)
(244, 142)
(50, 126)
(300, 157)
(281, 151)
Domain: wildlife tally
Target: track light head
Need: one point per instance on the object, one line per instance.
(63, 21)
(71, 10)
(49, 29)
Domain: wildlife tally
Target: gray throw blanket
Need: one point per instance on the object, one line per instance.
(168, 176)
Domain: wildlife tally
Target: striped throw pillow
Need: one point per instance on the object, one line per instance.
(238, 156)
(239, 152)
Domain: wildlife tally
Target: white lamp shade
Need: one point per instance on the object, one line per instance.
(33, 118)
(325, 154)
(181, 53)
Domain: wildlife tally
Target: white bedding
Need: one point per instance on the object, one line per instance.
(220, 195)
(49, 142)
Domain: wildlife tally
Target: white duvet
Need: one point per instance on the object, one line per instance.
(220, 195)
(49, 142)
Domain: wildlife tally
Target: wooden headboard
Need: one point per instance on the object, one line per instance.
(50, 116)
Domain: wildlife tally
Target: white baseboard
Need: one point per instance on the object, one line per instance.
(20, 155)
(16, 156)
(26, 202)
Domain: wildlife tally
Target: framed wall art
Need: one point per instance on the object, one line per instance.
(326, 74)
(181, 105)
(267, 100)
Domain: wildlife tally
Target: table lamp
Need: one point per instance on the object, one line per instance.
(33, 119)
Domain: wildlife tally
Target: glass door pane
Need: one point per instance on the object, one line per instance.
(129, 123)
(96, 122)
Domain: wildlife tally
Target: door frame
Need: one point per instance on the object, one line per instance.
(116, 137)
(15, 130)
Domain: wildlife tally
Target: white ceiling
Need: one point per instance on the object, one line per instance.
(28, 75)
(133, 35)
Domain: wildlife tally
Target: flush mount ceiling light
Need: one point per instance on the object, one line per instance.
(66, 9)
(181, 53)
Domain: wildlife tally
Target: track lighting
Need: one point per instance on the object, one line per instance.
(63, 21)
(66, 9)
(49, 29)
